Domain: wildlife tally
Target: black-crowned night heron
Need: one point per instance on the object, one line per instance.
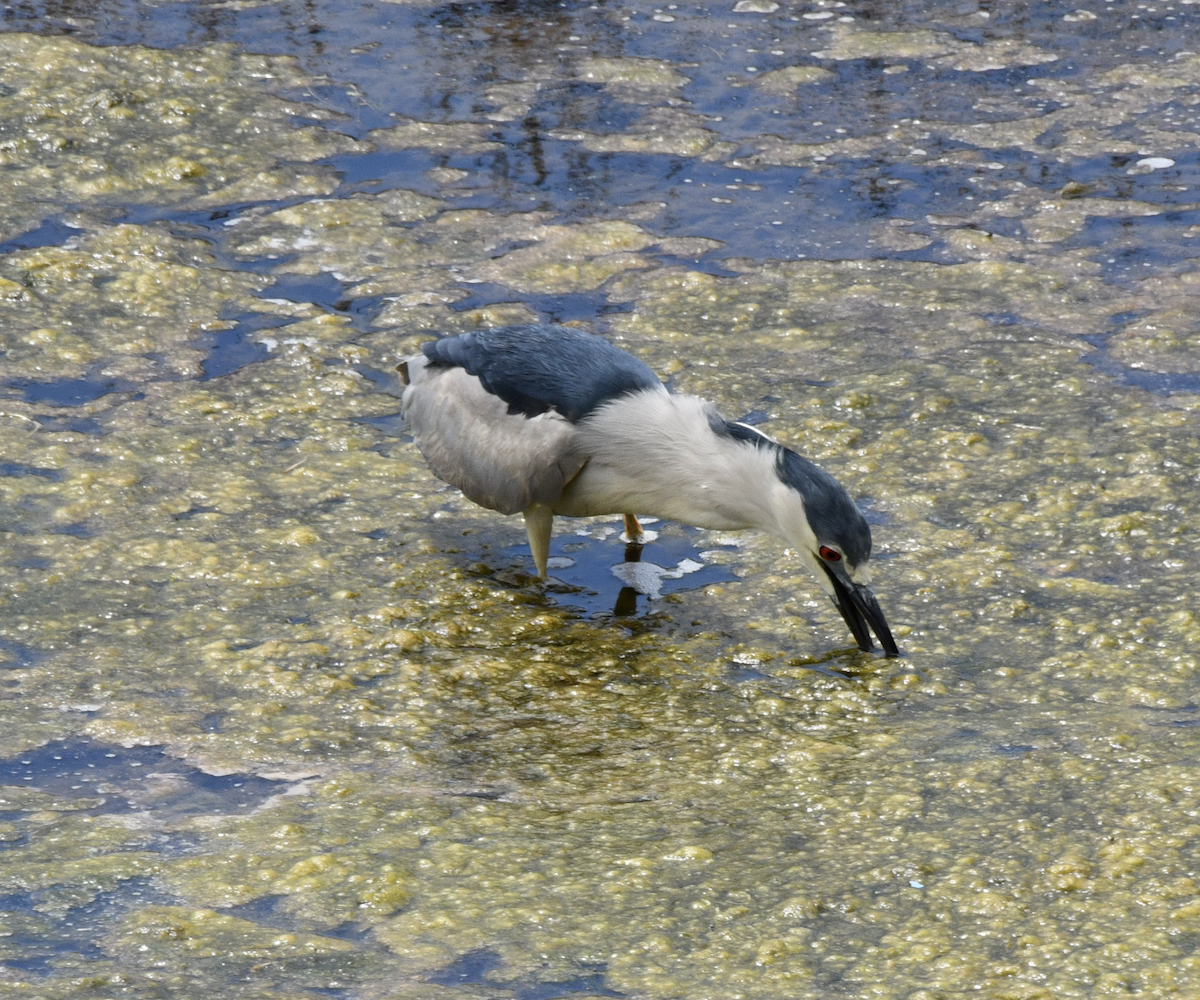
(546, 420)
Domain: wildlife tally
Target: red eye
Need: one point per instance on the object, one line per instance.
(832, 555)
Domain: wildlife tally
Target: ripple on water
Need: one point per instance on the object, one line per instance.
(128, 778)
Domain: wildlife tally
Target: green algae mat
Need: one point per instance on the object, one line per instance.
(283, 715)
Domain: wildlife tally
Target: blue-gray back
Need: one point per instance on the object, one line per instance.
(539, 367)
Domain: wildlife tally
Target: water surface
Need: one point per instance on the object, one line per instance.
(338, 741)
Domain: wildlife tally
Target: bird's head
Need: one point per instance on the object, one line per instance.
(835, 539)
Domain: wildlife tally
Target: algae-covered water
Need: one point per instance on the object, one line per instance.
(282, 715)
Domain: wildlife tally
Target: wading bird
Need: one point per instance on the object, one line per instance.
(547, 420)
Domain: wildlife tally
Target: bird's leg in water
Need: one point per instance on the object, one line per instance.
(627, 598)
(539, 522)
(626, 603)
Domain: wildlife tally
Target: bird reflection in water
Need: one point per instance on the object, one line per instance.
(626, 604)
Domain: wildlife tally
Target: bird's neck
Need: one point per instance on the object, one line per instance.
(658, 454)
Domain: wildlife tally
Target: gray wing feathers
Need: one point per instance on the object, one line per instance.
(502, 461)
(536, 367)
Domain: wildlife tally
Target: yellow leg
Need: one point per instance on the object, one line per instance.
(539, 523)
(633, 530)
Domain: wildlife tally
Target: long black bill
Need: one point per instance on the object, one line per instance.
(860, 610)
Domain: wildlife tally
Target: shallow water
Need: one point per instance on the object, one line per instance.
(284, 715)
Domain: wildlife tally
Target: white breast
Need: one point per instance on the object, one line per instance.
(657, 454)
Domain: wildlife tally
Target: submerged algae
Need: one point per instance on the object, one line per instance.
(728, 837)
(252, 573)
(81, 124)
(1162, 335)
(127, 301)
(639, 81)
(419, 265)
(661, 130)
(940, 48)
